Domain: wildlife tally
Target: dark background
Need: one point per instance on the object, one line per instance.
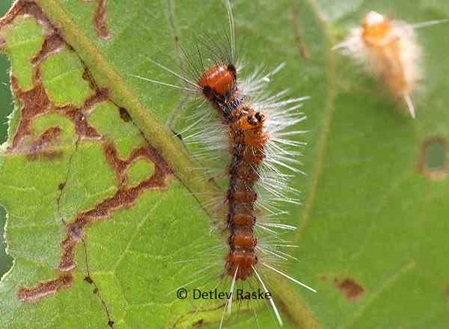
(5, 109)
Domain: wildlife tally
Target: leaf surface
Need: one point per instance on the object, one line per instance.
(88, 144)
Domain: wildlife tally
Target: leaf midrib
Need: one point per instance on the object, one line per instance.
(173, 150)
(154, 132)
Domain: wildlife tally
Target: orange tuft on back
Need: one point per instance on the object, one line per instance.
(375, 29)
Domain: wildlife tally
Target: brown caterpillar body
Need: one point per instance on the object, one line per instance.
(247, 140)
(258, 149)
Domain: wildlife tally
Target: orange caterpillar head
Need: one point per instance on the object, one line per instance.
(375, 28)
(249, 129)
(218, 82)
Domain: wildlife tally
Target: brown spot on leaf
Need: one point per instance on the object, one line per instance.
(87, 76)
(100, 19)
(44, 289)
(198, 323)
(352, 290)
(48, 136)
(188, 317)
(434, 159)
(52, 44)
(100, 96)
(124, 197)
(121, 166)
(27, 8)
(78, 116)
(82, 127)
(88, 279)
(40, 148)
(124, 115)
(19, 7)
(34, 102)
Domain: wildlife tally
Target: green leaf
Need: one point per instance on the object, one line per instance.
(5, 109)
(372, 227)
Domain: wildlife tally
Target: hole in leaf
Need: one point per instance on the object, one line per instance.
(434, 159)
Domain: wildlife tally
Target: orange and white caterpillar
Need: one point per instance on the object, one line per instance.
(254, 130)
(389, 50)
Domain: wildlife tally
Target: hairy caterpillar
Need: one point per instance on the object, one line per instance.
(237, 116)
(389, 50)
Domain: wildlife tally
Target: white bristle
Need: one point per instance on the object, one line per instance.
(208, 138)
